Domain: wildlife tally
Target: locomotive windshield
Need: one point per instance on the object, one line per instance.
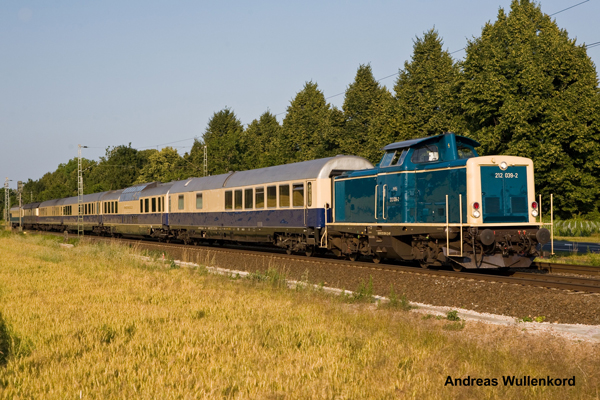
(393, 158)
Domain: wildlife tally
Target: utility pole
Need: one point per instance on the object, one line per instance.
(205, 161)
(20, 192)
(79, 192)
(6, 203)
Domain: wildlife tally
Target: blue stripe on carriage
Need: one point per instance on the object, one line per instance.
(287, 218)
(290, 218)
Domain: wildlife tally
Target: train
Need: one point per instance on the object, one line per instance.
(432, 201)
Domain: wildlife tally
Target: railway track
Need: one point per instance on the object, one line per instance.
(255, 256)
(567, 268)
(533, 278)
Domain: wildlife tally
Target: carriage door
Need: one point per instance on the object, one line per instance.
(310, 187)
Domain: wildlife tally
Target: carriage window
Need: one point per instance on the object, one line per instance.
(284, 195)
(238, 199)
(146, 205)
(116, 206)
(154, 204)
(158, 200)
(198, 201)
(271, 196)
(424, 154)
(248, 199)
(298, 195)
(228, 200)
(259, 197)
(180, 202)
(309, 194)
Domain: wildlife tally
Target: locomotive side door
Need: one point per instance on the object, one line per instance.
(380, 193)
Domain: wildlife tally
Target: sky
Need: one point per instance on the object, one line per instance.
(152, 73)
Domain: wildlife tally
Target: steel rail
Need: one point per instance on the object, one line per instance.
(578, 284)
(567, 268)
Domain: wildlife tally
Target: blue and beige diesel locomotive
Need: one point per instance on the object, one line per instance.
(431, 200)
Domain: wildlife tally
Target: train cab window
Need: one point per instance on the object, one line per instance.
(284, 195)
(298, 195)
(309, 194)
(180, 203)
(259, 197)
(248, 199)
(199, 201)
(399, 157)
(425, 154)
(387, 158)
(271, 196)
(228, 200)
(238, 199)
(464, 151)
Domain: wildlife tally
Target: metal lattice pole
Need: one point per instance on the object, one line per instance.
(20, 192)
(205, 161)
(6, 203)
(79, 192)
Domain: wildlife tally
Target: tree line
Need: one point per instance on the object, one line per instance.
(524, 88)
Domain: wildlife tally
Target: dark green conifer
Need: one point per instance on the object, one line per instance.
(223, 138)
(262, 137)
(307, 128)
(426, 91)
(529, 90)
(364, 102)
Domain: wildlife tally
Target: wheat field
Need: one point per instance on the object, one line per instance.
(98, 321)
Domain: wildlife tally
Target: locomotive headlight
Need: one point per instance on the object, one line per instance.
(534, 210)
(476, 212)
(503, 165)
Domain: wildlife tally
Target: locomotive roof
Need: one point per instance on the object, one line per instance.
(413, 142)
(31, 205)
(313, 169)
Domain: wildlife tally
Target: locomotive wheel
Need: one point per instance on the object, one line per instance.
(310, 251)
(458, 267)
(377, 258)
(353, 256)
(288, 251)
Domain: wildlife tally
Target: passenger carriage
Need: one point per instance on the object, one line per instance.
(287, 205)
